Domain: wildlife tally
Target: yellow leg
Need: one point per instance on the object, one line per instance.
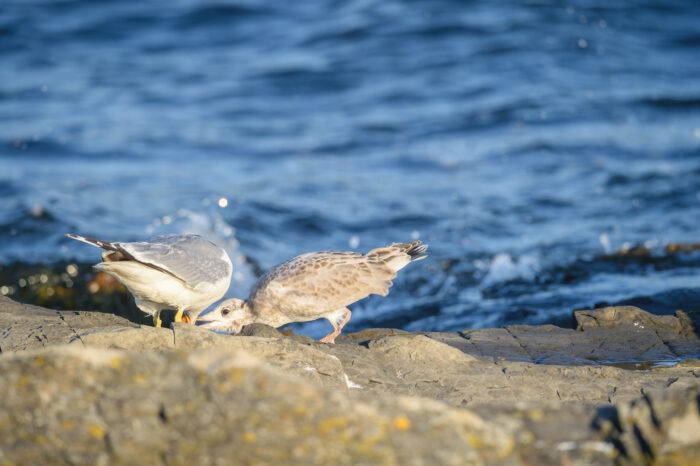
(178, 316)
(156, 319)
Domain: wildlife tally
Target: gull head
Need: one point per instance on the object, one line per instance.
(230, 315)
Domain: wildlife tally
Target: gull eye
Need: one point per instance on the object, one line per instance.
(225, 311)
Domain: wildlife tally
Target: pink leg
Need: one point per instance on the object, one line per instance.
(330, 338)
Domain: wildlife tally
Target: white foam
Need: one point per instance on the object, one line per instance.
(350, 383)
(504, 268)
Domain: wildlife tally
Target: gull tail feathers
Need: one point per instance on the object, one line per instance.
(417, 251)
(397, 255)
(93, 241)
(414, 249)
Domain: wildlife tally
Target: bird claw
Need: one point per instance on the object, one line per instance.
(330, 339)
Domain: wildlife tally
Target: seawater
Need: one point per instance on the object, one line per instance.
(524, 141)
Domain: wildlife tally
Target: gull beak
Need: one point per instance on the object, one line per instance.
(186, 318)
(205, 323)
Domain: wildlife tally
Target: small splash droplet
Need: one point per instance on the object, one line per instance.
(582, 43)
(37, 210)
(605, 242)
(354, 241)
(223, 202)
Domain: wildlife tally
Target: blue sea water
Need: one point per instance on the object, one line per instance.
(523, 140)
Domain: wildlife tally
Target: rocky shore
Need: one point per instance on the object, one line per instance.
(87, 387)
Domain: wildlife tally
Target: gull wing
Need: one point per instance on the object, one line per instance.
(322, 281)
(190, 258)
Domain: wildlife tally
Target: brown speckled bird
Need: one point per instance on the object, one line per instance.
(316, 285)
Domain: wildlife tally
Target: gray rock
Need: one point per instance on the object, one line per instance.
(214, 406)
(418, 348)
(669, 337)
(260, 330)
(367, 335)
(305, 361)
(30, 327)
(104, 390)
(136, 338)
(661, 427)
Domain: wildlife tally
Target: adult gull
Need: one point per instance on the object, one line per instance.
(181, 272)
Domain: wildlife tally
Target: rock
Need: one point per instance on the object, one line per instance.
(368, 334)
(211, 405)
(626, 315)
(215, 406)
(260, 330)
(636, 334)
(660, 427)
(90, 387)
(496, 344)
(418, 348)
(29, 327)
(136, 338)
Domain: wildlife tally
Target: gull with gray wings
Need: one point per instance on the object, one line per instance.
(316, 285)
(181, 272)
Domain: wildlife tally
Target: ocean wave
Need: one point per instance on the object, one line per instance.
(504, 268)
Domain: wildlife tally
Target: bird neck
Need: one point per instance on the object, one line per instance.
(249, 315)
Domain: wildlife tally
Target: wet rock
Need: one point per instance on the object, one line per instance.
(67, 285)
(675, 248)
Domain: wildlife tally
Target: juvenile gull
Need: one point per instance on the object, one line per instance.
(316, 285)
(168, 272)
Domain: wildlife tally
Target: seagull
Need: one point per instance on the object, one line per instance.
(316, 285)
(182, 272)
